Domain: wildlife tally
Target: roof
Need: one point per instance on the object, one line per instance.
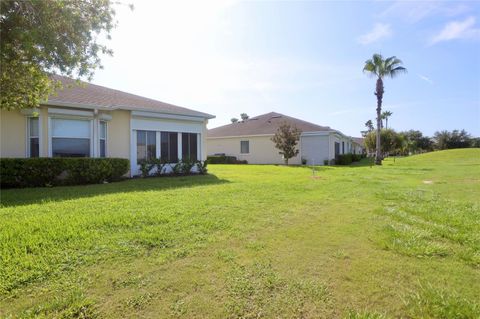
(358, 140)
(92, 96)
(263, 124)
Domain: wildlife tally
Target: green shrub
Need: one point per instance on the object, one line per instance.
(202, 167)
(35, 172)
(223, 159)
(325, 162)
(186, 166)
(356, 157)
(343, 159)
(146, 166)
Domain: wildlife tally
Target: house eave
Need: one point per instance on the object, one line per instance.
(126, 108)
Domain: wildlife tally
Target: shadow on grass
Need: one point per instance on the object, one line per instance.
(26, 196)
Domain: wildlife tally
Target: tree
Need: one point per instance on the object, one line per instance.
(42, 37)
(391, 141)
(286, 139)
(416, 142)
(234, 120)
(381, 68)
(441, 139)
(476, 142)
(369, 125)
(455, 139)
(244, 116)
(385, 116)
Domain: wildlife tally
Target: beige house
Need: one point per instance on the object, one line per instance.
(251, 140)
(94, 121)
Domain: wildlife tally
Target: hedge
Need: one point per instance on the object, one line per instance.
(346, 159)
(223, 159)
(35, 172)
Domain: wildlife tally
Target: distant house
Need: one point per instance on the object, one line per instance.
(251, 140)
(94, 121)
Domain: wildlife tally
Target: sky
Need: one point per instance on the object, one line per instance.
(303, 59)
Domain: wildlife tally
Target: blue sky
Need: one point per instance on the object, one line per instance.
(303, 59)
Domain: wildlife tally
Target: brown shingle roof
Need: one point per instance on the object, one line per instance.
(92, 95)
(358, 140)
(263, 124)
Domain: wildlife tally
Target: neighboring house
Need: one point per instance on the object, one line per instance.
(358, 145)
(93, 121)
(251, 140)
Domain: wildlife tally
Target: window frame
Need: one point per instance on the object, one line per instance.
(51, 119)
(169, 147)
(192, 138)
(248, 147)
(146, 144)
(105, 139)
(29, 137)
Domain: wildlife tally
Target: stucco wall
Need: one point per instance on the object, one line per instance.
(262, 149)
(118, 134)
(13, 132)
(315, 149)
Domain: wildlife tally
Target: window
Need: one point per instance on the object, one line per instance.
(71, 138)
(169, 146)
(33, 137)
(103, 138)
(337, 149)
(343, 147)
(189, 146)
(146, 145)
(244, 147)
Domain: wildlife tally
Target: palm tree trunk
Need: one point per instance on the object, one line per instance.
(379, 94)
(386, 123)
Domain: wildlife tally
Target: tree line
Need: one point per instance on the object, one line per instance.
(413, 141)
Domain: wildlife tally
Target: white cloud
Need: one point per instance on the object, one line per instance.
(415, 11)
(457, 30)
(425, 78)
(379, 31)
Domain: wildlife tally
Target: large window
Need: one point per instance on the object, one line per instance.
(169, 146)
(103, 138)
(244, 147)
(337, 149)
(71, 138)
(146, 145)
(189, 146)
(33, 137)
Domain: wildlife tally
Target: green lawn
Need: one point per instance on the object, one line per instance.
(246, 241)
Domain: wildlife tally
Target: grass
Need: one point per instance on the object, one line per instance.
(401, 240)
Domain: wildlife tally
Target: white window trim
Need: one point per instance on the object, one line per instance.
(100, 138)
(28, 137)
(241, 147)
(50, 130)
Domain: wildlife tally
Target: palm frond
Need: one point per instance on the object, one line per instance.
(396, 71)
(370, 68)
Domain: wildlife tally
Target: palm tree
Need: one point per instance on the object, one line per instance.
(381, 68)
(369, 125)
(385, 116)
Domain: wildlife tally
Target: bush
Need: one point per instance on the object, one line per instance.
(202, 167)
(223, 159)
(356, 157)
(344, 159)
(35, 172)
(325, 162)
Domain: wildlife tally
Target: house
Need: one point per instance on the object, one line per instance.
(251, 140)
(94, 121)
(358, 145)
